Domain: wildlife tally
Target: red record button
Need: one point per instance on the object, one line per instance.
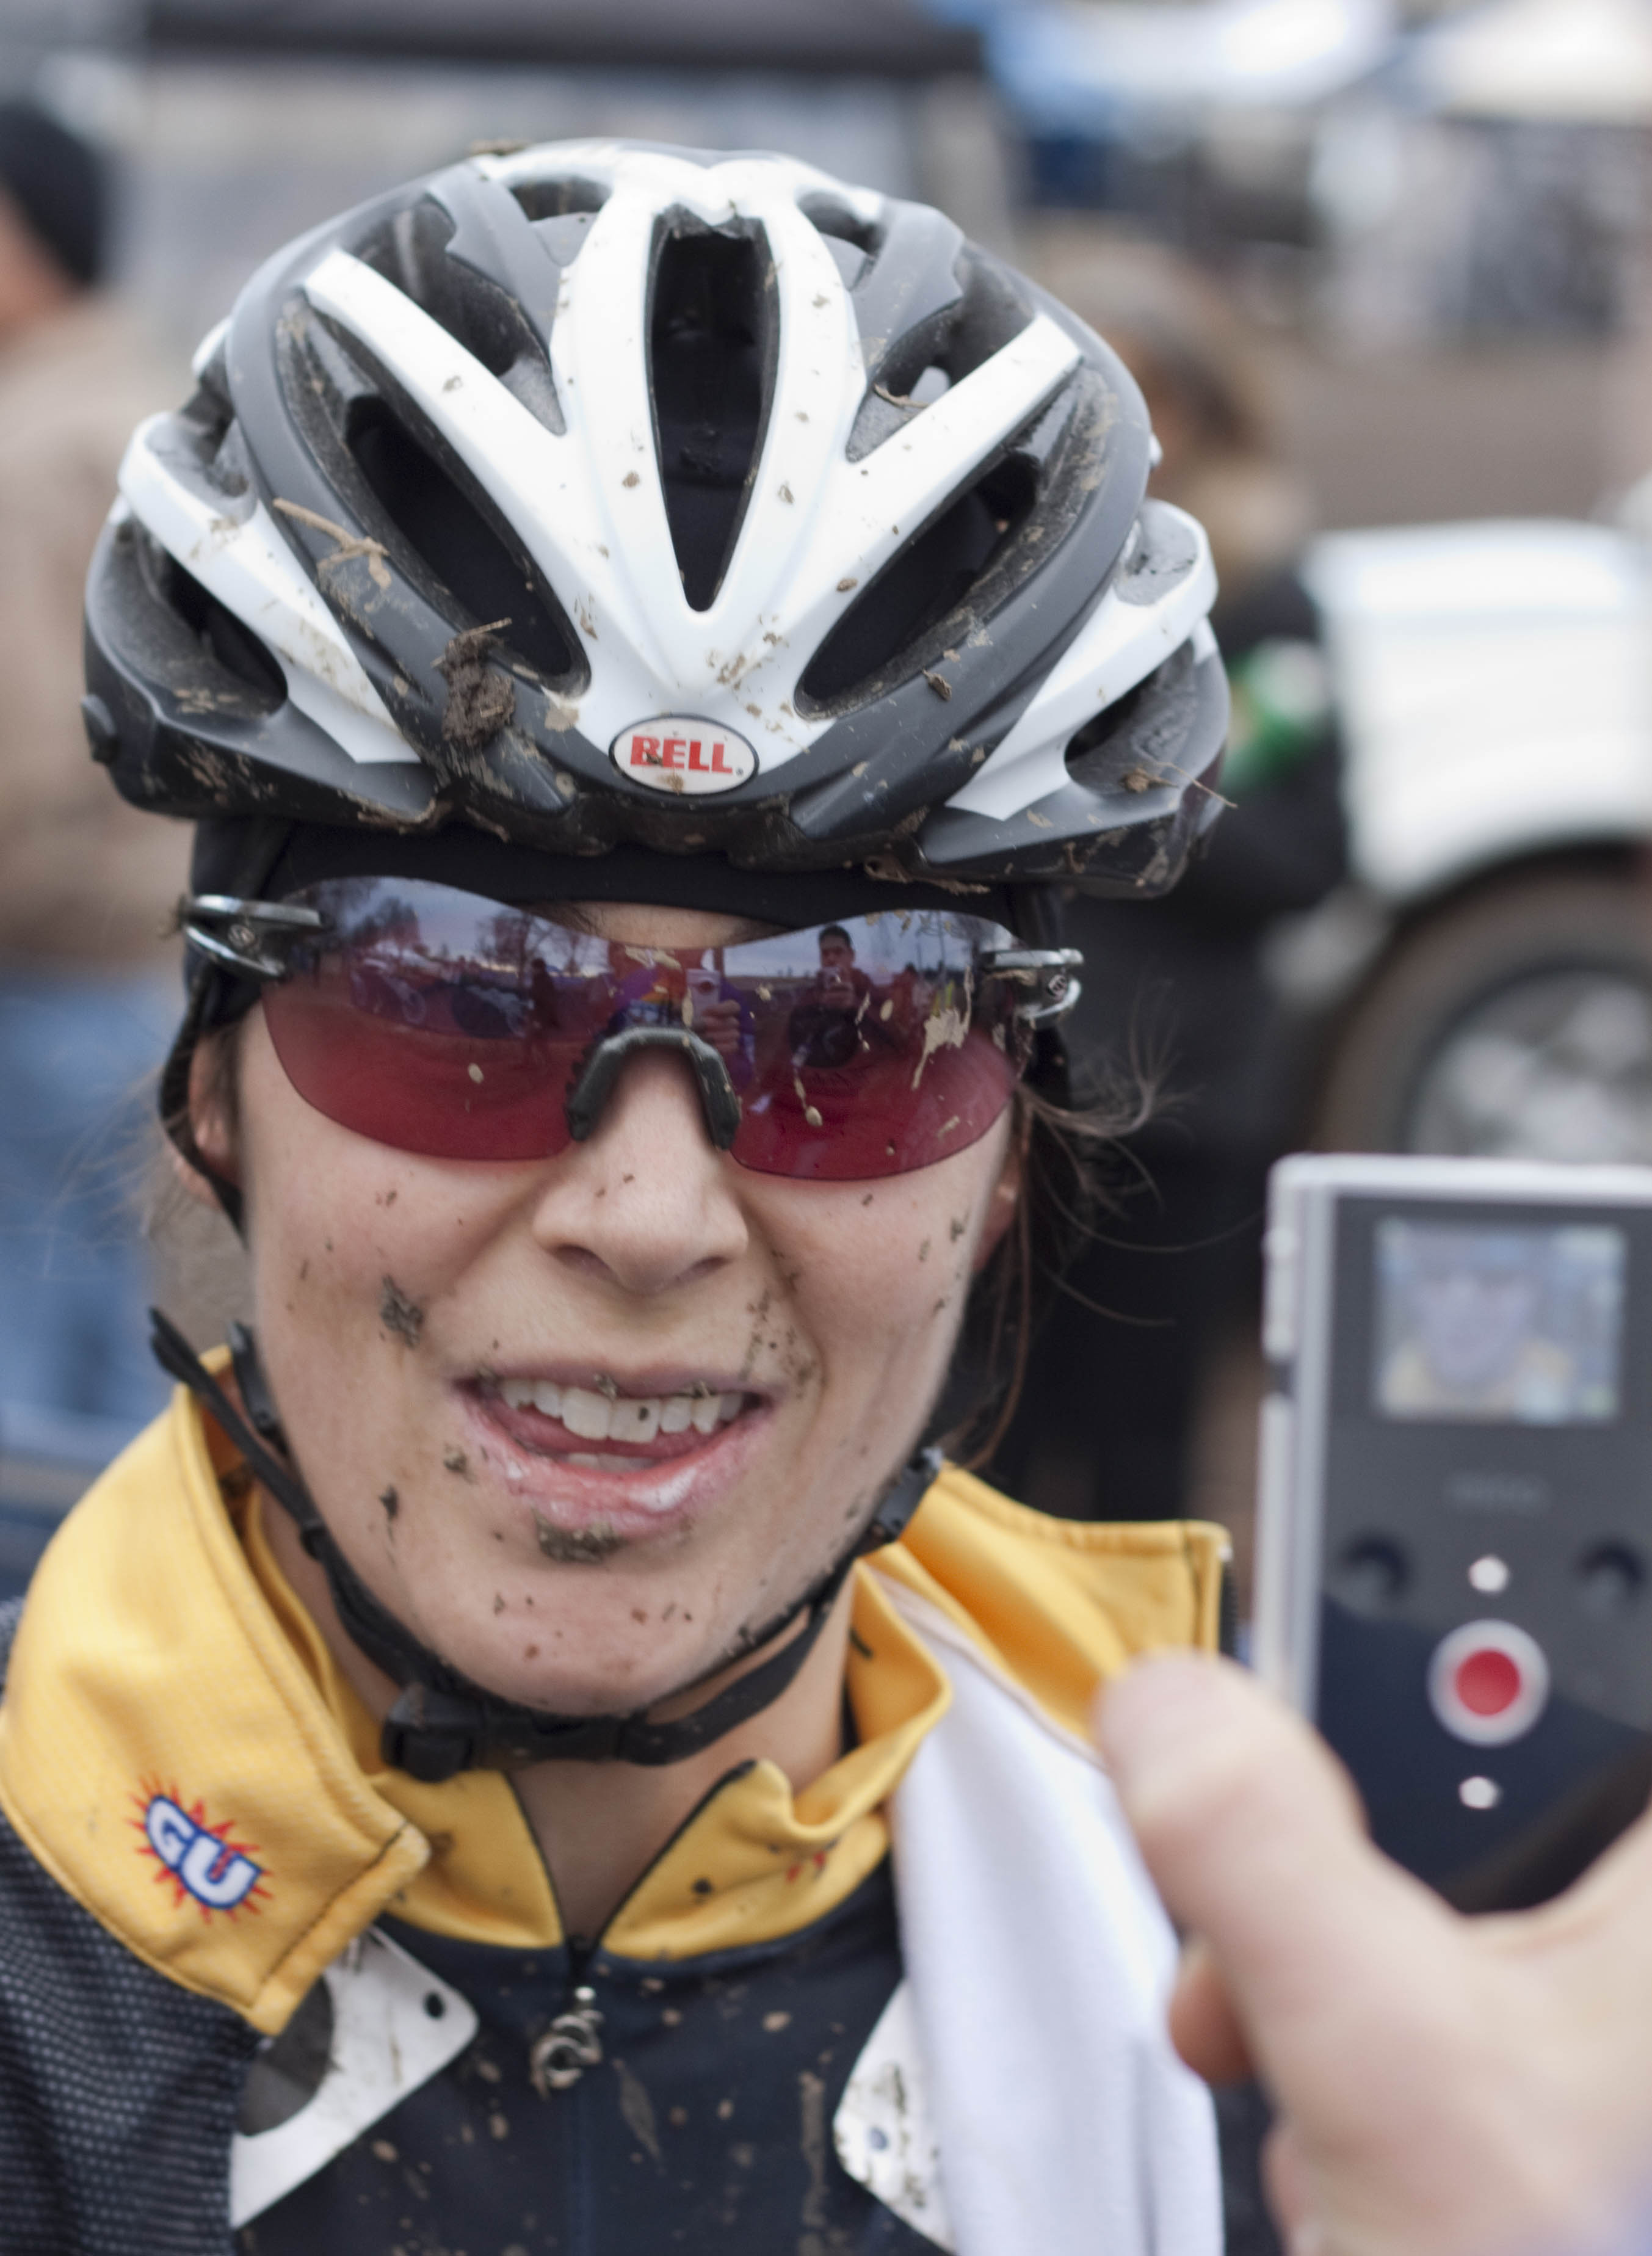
(1488, 1683)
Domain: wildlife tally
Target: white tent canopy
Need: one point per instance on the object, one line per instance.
(1588, 60)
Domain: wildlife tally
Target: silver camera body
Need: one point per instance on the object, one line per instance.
(1454, 1543)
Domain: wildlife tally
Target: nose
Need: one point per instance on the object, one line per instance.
(590, 1094)
(646, 1201)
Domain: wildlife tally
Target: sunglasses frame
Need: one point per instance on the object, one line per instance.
(236, 934)
(247, 937)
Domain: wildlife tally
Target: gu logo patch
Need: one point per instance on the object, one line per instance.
(199, 1860)
(679, 753)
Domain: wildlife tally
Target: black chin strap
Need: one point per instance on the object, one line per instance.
(442, 1724)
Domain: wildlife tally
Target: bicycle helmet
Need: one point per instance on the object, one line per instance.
(503, 492)
(606, 520)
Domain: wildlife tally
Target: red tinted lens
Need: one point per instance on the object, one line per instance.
(435, 1024)
(822, 1109)
(419, 1091)
(434, 1021)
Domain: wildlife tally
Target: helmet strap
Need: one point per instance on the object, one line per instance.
(441, 1723)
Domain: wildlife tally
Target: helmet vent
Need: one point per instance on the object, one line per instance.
(476, 312)
(927, 580)
(1140, 731)
(455, 543)
(852, 241)
(829, 217)
(558, 199)
(219, 634)
(711, 336)
(925, 330)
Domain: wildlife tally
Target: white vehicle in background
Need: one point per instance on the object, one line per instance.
(1491, 959)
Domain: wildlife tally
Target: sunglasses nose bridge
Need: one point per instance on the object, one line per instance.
(599, 1076)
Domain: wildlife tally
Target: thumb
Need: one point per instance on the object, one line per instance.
(1252, 1835)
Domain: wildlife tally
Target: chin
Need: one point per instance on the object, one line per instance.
(553, 1655)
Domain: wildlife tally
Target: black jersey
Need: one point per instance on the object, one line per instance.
(704, 2124)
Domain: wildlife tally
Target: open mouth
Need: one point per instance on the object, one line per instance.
(602, 1427)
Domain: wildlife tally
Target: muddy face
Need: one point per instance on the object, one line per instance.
(671, 1384)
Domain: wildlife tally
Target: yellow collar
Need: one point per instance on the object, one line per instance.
(753, 1862)
(179, 1750)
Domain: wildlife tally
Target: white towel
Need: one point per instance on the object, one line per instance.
(1039, 1959)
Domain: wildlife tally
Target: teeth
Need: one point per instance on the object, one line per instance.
(586, 1414)
(600, 1417)
(635, 1418)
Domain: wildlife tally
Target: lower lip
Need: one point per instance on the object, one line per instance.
(652, 1495)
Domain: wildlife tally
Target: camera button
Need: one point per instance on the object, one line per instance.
(1488, 1683)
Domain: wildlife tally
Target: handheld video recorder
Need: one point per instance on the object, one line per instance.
(1454, 1550)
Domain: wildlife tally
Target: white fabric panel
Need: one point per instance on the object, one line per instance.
(1039, 1960)
(386, 2042)
(884, 2129)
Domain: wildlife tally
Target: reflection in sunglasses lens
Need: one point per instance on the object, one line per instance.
(439, 1022)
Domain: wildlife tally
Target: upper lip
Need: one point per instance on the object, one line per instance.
(677, 1378)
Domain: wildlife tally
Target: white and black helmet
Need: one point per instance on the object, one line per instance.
(603, 495)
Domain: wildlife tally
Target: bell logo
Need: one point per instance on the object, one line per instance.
(683, 755)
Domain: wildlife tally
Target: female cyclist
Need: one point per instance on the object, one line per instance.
(532, 1751)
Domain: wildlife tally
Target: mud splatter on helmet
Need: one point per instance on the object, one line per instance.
(607, 495)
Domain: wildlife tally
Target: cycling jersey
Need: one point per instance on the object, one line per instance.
(179, 1755)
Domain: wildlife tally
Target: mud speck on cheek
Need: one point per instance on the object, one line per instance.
(577, 1546)
(498, 1602)
(392, 1502)
(922, 1250)
(399, 1315)
(958, 1226)
(304, 1270)
(455, 1461)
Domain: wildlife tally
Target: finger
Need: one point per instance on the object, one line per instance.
(1285, 2184)
(1203, 2027)
(1604, 1910)
(1252, 1832)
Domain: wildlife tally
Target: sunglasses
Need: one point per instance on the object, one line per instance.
(441, 1022)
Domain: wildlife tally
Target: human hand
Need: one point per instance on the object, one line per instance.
(718, 1024)
(1445, 2086)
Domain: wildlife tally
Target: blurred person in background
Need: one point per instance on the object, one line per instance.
(1177, 993)
(85, 884)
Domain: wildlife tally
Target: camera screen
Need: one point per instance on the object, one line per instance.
(1498, 1325)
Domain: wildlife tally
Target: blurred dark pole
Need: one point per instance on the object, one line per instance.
(888, 37)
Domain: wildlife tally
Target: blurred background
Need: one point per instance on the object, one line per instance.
(1385, 270)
